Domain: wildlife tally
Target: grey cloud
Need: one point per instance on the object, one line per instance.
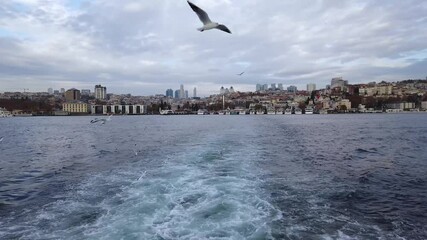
(154, 45)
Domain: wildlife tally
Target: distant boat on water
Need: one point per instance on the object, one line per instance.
(309, 110)
(202, 112)
(166, 112)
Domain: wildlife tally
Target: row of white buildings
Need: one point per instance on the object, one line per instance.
(84, 108)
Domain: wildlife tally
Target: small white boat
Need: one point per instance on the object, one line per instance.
(309, 111)
(166, 112)
(202, 112)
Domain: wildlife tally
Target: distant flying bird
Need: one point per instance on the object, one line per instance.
(207, 23)
(103, 120)
(240, 74)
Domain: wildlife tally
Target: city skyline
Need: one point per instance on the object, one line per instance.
(100, 91)
(136, 48)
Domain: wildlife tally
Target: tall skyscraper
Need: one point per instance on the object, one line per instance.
(100, 92)
(338, 82)
(186, 93)
(292, 89)
(181, 92)
(258, 87)
(177, 94)
(280, 86)
(273, 86)
(169, 93)
(62, 90)
(50, 90)
(194, 92)
(311, 87)
(265, 87)
(72, 95)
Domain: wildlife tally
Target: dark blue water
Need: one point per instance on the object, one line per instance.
(214, 177)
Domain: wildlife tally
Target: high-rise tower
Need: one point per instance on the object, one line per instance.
(100, 92)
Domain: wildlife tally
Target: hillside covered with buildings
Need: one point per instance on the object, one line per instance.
(338, 97)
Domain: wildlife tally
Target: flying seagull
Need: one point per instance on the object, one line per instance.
(240, 74)
(207, 23)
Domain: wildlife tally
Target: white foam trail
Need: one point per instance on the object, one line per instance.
(196, 195)
(142, 175)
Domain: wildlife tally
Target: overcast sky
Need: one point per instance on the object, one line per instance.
(144, 47)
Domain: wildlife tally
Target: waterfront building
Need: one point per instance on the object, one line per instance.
(100, 92)
(4, 113)
(75, 107)
(135, 109)
(311, 87)
(231, 89)
(72, 95)
(401, 105)
(424, 105)
(344, 103)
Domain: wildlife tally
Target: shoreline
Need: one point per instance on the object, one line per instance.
(98, 115)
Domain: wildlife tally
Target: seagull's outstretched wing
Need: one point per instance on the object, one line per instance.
(223, 28)
(203, 16)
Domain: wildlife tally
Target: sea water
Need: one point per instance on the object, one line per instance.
(214, 177)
